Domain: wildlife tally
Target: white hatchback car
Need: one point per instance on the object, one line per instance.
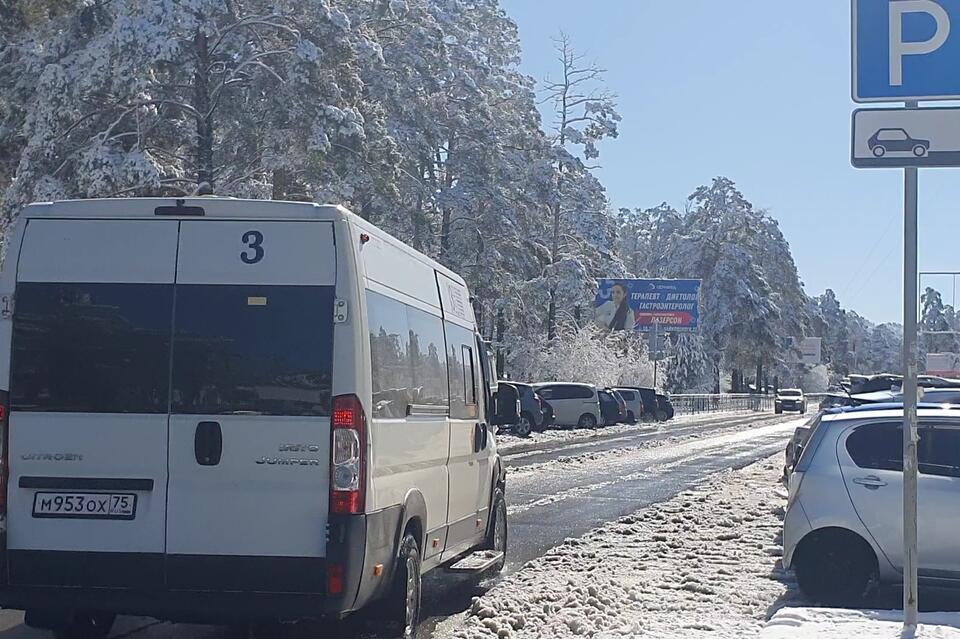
(843, 532)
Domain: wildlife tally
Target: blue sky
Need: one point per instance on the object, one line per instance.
(758, 91)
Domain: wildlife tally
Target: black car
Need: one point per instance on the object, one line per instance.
(665, 409)
(612, 407)
(535, 414)
(648, 397)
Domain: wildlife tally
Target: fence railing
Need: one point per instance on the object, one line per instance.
(709, 403)
(692, 404)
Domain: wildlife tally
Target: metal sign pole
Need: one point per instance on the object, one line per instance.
(656, 353)
(910, 297)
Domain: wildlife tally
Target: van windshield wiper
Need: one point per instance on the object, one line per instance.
(253, 413)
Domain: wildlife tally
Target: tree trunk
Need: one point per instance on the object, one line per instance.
(280, 182)
(201, 101)
(445, 212)
(501, 327)
(552, 315)
(759, 375)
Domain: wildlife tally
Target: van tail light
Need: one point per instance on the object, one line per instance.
(347, 456)
(4, 445)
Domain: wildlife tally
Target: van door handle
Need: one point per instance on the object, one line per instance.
(872, 482)
(208, 443)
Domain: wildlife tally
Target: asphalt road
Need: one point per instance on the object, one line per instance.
(560, 493)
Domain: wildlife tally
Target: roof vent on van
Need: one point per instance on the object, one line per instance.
(180, 209)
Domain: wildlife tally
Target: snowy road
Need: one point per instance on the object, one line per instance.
(564, 492)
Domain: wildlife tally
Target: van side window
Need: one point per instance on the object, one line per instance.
(390, 356)
(463, 385)
(426, 356)
(469, 377)
(565, 392)
(581, 392)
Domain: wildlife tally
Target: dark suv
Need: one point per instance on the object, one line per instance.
(612, 407)
(535, 413)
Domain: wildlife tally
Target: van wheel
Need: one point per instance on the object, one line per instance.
(87, 626)
(631, 418)
(402, 606)
(661, 415)
(497, 535)
(587, 421)
(525, 426)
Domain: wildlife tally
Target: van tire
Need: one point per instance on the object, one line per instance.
(87, 626)
(587, 421)
(401, 609)
(631, 418)
(661, 415)
(497, 535)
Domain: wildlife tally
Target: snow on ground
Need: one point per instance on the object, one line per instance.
(507, 442)
(826, 623)
(699, 565)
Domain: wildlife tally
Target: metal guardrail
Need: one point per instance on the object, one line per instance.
(693, 404)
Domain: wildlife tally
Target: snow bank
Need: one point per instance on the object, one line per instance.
(698, 565)
(828, 623)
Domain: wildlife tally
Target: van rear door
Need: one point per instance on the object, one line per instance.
(89, 400)
(251, 399)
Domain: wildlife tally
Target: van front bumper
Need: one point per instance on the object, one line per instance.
(211, 589)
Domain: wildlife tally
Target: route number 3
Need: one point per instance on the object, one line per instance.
(253, 240)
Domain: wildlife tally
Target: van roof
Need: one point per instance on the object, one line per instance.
(217, 207)
(212, 207)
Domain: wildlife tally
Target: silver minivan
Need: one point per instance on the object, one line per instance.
(573, 404)
(218, 409)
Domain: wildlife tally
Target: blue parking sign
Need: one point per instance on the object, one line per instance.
(906, 50)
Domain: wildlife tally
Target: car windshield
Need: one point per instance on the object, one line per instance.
(270, 272)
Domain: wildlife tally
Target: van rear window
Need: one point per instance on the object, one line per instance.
(263, 350)
(91, 348)
(106, 348)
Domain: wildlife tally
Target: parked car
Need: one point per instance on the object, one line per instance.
(665, 409)
(790, 399)
(842, 528)
(573, 404)
(533, 416)
(797, 443)
(651, 408)
(612, 407)
(634, 404)
(252, 450)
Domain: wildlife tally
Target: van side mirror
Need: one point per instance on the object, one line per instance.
(506, 405)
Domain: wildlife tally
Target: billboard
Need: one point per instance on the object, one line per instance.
(639, 305)
(809, 350)
(943, 364)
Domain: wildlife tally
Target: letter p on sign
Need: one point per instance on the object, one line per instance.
(899, 48)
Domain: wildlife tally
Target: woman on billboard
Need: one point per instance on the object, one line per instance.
(616, 313)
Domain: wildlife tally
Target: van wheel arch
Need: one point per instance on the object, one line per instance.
(413, 518)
